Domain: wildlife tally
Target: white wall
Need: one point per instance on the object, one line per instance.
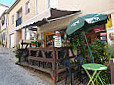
(87, 6)
(2, 9)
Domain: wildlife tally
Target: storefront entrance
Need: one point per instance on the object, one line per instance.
(48, 38)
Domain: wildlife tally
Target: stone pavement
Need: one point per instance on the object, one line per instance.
(12, 74)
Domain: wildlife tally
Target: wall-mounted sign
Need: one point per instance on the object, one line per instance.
(103, 34)
(110, 35)
(92, 20)
(57, 41)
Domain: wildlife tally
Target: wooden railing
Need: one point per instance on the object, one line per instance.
(49, 60)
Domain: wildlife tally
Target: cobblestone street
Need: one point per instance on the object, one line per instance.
(12, 74)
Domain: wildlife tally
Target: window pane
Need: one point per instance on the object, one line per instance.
(27, 7)
(19, 14)
(30, 35)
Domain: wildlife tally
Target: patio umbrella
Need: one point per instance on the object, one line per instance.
(83, 23)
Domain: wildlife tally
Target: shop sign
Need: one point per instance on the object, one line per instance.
(110, 36)
(92, 20)
(57, 41)
(103, 34)
(75, 23)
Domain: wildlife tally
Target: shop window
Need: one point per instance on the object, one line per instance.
(30, 35)
(48, 39)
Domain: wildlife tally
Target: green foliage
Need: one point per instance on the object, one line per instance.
(110, 51)
(106, 77)
(102, 52)
(75, 41)
(99, 50)
(78, 42)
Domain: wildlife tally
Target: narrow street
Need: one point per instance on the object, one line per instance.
(12, 74)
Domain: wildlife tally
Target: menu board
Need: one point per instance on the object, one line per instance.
(57, 41)
(110, 35)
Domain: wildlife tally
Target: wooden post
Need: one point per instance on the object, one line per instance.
(56, 64)
(53, 66)
(112, 70)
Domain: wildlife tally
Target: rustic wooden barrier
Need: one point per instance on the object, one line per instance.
(49, 60)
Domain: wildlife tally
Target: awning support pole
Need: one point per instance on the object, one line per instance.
(88, 46)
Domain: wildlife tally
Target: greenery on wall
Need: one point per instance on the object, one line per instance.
(100, 50)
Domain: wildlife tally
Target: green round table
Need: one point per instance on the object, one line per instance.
(97, 68)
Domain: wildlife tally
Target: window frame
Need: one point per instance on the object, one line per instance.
(19, 12)
(27, 8)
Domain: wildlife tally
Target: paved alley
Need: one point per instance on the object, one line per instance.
(12, 74)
